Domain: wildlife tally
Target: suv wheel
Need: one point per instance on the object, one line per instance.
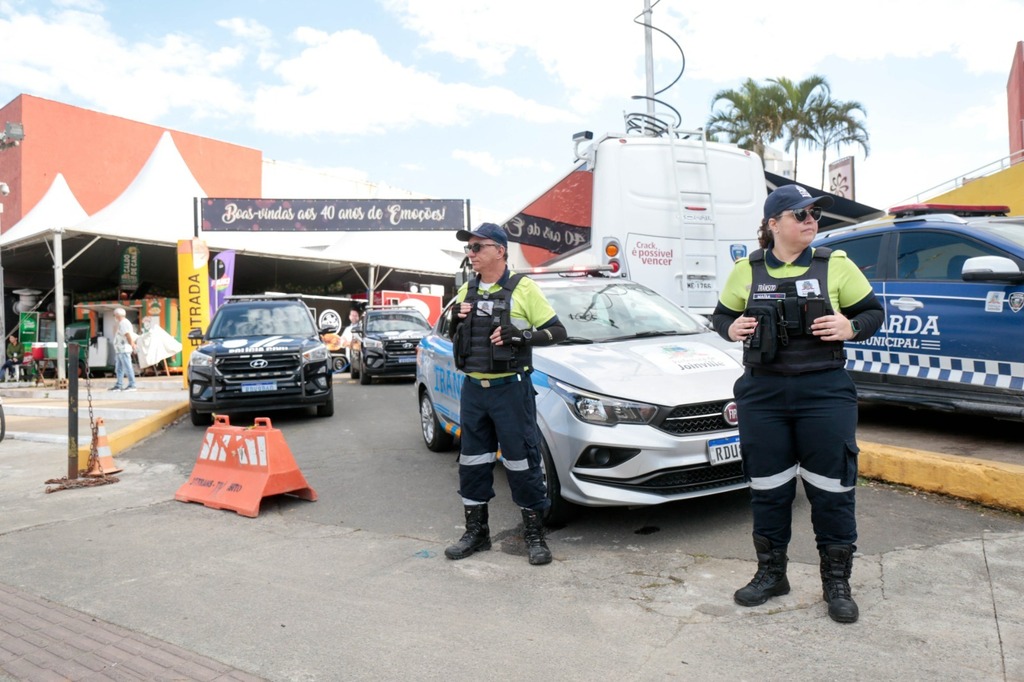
(327, 409)
(199, 418)
(436, 438)
(364, 378)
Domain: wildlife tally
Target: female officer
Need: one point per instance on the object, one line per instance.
(792, 307)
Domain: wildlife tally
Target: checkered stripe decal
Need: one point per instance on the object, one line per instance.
(958, 370)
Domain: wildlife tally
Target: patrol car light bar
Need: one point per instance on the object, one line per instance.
(962, 210)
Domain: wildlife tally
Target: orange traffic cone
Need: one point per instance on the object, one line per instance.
(103, 463)
(237, 467)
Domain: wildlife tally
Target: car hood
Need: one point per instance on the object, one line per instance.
(665, 370)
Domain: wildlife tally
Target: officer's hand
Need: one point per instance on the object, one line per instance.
(742, 328)
(507, 335)
(464, 309)
(832, 328)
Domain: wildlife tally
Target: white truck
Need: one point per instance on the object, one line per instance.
(671, 212)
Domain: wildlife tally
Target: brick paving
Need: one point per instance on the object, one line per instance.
(43, 641)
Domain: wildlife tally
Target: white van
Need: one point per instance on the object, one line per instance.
(672, 213)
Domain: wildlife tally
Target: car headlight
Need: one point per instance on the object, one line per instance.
(372, 343)
(316, 354)
(603, 410)
(200, 359)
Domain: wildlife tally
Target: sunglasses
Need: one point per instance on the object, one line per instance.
(475, 248)
(801, 213)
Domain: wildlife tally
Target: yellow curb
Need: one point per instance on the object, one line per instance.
(995, 484)
(122, 439)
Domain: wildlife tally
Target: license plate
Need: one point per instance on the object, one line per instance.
(259, 386)
(411, 358)
(724, 450)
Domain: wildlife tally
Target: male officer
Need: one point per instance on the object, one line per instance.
(499, 317)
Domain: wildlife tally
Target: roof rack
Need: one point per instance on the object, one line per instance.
(961, 210)
(568, 270)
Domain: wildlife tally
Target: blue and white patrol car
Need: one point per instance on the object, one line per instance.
(951, 279)
(635, 407)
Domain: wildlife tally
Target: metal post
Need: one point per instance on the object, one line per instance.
(3, 290)
(58, 305)
(73, 417)
(649, 57)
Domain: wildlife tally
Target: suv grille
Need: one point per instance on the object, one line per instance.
(399, 347)
(677, 481)
(689, 419)
(234, 368)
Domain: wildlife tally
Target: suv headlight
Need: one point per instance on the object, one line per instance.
(369, 342)
(200, 359)
(316, 354)
(603, 410)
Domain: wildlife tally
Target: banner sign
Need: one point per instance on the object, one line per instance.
(129, 269)
(331, 215)
(193, 295)
(222, 277)
(551, 235)
(840, 178)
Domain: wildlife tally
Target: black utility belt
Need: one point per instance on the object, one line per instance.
(491, 383)
(762, 372)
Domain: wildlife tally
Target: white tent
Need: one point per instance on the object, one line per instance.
(58, 207)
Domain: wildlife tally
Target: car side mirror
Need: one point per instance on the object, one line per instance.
(195, 334)
(991, 269)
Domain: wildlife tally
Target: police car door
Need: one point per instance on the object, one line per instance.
(435, 370)
(939, 326)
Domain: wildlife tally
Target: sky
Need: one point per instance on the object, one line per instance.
(479, 100)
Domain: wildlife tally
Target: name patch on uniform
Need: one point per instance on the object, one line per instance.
(767, 287)
(808, 287)
(768, 297)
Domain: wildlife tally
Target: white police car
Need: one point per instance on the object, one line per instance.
(635, 408)
(951, 280)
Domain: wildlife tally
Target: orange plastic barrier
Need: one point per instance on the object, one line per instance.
(237, 467)
(104, 464)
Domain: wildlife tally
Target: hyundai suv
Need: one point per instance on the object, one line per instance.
(384, 342)
(635, 408)
(259, 353)
(951, 279)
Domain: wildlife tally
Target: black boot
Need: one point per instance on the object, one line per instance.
(533, 534)
(477, 537)
(836, 566)
(770, 579)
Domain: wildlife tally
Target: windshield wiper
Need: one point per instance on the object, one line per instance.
(646, 334)
(576, 340)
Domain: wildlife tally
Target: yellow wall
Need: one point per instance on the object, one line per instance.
(1005, 188)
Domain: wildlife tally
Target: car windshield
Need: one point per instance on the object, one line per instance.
(607, 310)
(379, 323)
(260, 318)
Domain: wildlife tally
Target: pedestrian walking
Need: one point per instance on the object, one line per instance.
(124, 346)
(793, 306)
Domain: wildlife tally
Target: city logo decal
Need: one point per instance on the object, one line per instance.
(1016, 301)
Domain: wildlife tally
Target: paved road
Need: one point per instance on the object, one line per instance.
(354, 585)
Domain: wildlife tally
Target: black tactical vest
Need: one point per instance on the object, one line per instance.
(785, 314)
(472, 345)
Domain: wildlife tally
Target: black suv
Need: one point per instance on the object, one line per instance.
(384, 342)
(259, 353)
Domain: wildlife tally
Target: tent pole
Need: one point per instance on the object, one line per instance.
(58, 305)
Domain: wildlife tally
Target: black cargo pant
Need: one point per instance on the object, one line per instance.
(505, 413)
(804, 426)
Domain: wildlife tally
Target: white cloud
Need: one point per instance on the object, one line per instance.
(482, 161)
(343, 83)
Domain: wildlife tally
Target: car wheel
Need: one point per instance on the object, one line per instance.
(199, 418)
(353, 370)
(434, 435)
(364, 378)
(3, 424)
(327, 409)
(560, 510)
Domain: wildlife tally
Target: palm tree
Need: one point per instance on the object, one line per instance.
(801, 100)
(833, 123)
(754, 117)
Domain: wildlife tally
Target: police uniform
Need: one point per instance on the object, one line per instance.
(498, 402)
(798, 408)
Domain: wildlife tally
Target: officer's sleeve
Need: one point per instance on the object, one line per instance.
(455, 320)
(857, 300)
(733, 299)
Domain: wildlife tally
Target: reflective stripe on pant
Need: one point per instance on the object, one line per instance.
(802, 426)
(505, 414)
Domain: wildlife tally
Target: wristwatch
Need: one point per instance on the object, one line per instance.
(855, 326)
(527, 336)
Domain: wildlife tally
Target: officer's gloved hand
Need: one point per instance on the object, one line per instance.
(511, 335)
